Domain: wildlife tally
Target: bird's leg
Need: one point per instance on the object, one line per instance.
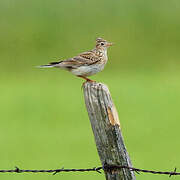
(89, 80)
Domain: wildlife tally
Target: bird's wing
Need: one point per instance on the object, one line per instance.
(86, 58)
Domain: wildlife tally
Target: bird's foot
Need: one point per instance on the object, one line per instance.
(87, 80)
(91, 81)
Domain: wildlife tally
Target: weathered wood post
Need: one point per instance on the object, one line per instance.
(106, 128)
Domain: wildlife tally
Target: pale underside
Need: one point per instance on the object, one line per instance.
(88, 70)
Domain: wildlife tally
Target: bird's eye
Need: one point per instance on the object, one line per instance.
(102, 44)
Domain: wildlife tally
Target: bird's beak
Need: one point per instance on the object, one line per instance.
(109, 44)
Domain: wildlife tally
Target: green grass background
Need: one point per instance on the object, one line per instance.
(43, 120)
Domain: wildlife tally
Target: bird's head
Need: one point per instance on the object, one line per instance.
(102, 44)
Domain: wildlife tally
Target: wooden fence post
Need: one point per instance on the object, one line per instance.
(106, 128)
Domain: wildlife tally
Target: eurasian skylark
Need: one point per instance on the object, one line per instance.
(87, 63)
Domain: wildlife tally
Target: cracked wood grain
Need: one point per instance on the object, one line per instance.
(106, 128)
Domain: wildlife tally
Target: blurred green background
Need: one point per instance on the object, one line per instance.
(44, 123)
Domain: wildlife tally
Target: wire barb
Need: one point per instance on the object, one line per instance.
(173, 173)
(17, 169)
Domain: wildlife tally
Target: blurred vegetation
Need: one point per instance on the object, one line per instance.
(44, 123)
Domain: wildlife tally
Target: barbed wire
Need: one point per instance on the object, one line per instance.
(106, 167)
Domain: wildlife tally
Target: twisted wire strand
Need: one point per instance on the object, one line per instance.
(106, 167)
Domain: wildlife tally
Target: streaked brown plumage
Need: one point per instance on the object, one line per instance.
(87, 63)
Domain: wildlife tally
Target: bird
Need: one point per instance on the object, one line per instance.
(87, 63)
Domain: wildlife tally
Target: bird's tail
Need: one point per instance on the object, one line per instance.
(45, 66)
(52, 64)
